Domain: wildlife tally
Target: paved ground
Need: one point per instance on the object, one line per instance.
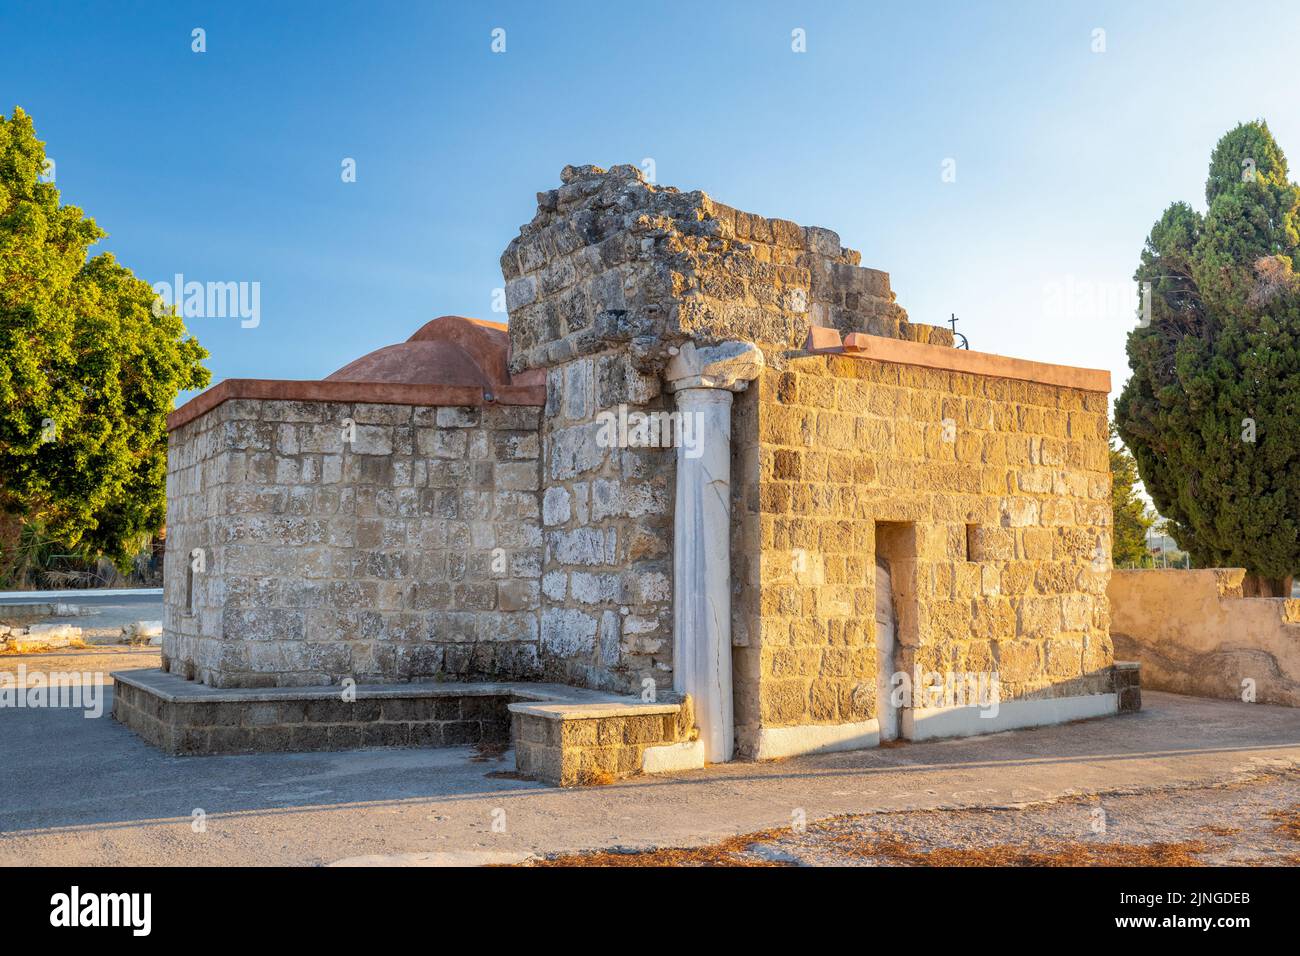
(108, 609)
(79, 791)
(92, 597)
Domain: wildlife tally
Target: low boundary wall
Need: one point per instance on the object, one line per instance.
(1194, 633)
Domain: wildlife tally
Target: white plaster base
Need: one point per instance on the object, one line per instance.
(777, 742)
(928, 723)
(673, 758)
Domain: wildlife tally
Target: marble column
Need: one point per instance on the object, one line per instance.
(704, 380)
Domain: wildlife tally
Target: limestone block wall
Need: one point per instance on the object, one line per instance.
(606, 586)
(411, 551)
(314, 720)
(1194, 633)
(610, 259)
(570, 749)
(993, 494)
(609, 280)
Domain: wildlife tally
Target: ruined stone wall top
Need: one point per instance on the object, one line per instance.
(611, 260)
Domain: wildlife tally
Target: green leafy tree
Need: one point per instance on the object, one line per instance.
(88, 372)
(1130, 521)
(1212, 410)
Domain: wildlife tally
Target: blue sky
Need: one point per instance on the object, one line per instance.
(225, 165)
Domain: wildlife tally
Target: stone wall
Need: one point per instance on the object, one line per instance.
(411, 551)
(1194, 633)
(997, 497)
(611, 278)
(610, 259)
(607, 607)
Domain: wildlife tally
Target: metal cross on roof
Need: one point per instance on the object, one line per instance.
(952, 322)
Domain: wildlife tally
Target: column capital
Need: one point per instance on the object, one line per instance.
(728, 365)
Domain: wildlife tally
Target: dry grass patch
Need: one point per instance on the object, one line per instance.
(891, 851)
(1216, 829)
(486, 750)
(730, 852)
(21, 647)
(1288, 821)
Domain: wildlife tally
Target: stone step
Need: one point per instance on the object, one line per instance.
(183, 717)
(583, 744)
(562, 735)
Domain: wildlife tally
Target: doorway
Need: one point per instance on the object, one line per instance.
(886, 640)
(895, 612)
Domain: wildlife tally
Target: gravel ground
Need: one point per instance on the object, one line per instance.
(1254, 823)
(1244, 823)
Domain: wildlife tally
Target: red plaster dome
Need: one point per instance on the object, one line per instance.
(450, 350)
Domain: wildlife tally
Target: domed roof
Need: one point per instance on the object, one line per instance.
(450, 350)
